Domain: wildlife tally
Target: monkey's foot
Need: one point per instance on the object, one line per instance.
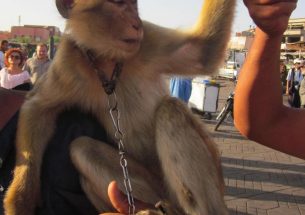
(150, 212)
(162, 208)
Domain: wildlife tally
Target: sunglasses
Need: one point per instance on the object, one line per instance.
(16, 57)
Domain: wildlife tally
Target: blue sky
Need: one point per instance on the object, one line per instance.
(168, 13)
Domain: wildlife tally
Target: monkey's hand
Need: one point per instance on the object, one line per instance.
(271, 16)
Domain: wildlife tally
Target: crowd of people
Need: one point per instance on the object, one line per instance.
(19, 72)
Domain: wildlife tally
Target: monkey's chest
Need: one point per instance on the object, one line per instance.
(137, 99)
(137, 106)
(139, 137)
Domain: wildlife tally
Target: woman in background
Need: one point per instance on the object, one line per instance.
(12, 76)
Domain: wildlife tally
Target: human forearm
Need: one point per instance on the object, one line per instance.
(258, 99)
(259, 112)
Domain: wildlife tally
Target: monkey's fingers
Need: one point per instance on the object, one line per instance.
(119, 200)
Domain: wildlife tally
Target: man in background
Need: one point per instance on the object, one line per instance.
(39, 63)
(294, 79)
(3, 49)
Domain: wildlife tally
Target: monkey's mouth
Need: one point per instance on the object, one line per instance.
(131, 41)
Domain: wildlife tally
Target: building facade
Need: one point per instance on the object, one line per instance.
(293, 43)
(295, 32)
(34, 33)
(5, 35)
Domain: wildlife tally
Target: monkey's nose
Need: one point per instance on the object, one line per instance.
(137, 24)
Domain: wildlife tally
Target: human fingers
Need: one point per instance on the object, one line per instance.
(271, 15)
(119, 200)
(270, 8)
(268, 2)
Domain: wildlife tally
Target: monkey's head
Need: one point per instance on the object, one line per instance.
(110, 28)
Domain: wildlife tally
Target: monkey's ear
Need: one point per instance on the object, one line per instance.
(64, 6)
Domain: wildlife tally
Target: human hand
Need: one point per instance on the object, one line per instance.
(271, 16)
(119, 201)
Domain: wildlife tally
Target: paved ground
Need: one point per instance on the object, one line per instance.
(258, 180)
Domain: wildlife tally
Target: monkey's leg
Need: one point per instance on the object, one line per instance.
(99, 164)
(35, 127)
(189, 159)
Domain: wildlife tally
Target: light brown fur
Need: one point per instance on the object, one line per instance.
(159, 131)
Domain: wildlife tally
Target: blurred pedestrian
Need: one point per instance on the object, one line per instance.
(39, 63)
(3, 49)
(236, 70)
(294, 79)
(302, 86)
(12, 76)
(283, 75)
(181, 88)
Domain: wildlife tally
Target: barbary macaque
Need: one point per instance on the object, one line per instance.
(108, 54)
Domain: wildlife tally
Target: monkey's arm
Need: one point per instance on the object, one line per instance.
(199, 51)
(31, 140)
(99, 164)
(36, 126)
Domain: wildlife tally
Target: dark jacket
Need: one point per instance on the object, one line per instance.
(60, 185)
(7, 156)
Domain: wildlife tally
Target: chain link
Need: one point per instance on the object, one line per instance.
(118, 136)
(109, 87)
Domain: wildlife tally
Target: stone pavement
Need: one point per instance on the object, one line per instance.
(258, 180)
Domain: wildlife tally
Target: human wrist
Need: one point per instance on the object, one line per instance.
(262, 35)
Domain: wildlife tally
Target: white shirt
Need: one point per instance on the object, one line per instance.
(10, 81)
(297, 75)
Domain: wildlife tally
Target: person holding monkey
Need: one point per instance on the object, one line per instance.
(258, 108)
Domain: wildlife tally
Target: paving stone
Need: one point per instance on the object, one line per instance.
(259, 180)
(262, 212)
(264, 202)
(284, 211)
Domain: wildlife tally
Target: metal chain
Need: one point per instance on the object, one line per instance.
(118, 136)
(109, 87)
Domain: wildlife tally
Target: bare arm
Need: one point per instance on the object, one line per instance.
(259, 111)
(27, 67)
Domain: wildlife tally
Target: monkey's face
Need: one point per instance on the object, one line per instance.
(111, 28)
